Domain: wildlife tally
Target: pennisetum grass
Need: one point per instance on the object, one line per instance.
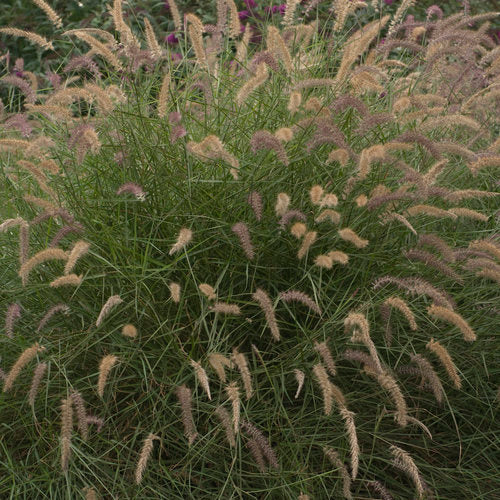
(326, 164)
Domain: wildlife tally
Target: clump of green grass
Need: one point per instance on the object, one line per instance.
(258, 271)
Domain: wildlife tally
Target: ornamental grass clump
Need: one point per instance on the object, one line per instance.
(263, 262)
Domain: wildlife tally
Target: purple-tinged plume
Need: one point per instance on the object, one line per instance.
(135, 189)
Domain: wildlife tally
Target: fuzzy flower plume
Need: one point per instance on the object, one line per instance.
(429, 375)
(49, 12)
(183, 394)
(212, 148)
(303, 298)
(68, 279)
(107, 362)
(257, 454)
(66, 430)
(263, 139)
(241, 230)
(367, 157)
(63, 232)
(454, 318)
(261, 297)
(300, 378)
(402, 306)
(284, 134)
(277, 47)
(38, 374)
(431, 260)
(339, 155)
(202, 377)
(358, 323)
(291, 7)
(129, 331)
(195, 31)
(324, 351)
(225, 420)
(233, 394)
(26, 356)
(241, 362)
(485, 161)
(361, 357)
(348, 417)
(13, 313)
(330, 391)
(147, 448)
(378, 487)
(349, 235)
(486, 246)
(53, 310)
(7, 224)
(389, 216)
(417, 286)
(307, 242)
(79, 249)
(262, 442)
(175, 292)
(176, 16)
(255, 201)
(260, 76)
(184, 237)
(225, 308)
(403, 461)
(151, 40)
(356, 45)
(219, 362)
(334, 458)
(294, 102)
(81, 413)
(132, 188)
(316, 193)
(40, 257)
(324, 261)
(434, 241)
(388, 383)
(106, 308)
(290, 215)
(282, 204)
(163, 95)
(299, 229)
(328, 214)
(29, 94)
(32, 37)
(208, 291)
(444, 356)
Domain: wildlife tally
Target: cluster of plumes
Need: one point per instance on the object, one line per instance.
(464, 87)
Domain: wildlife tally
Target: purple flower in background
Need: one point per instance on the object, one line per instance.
(389, 2)
(243, 14)
(172, 39)
(276, 9)
(251, 4)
